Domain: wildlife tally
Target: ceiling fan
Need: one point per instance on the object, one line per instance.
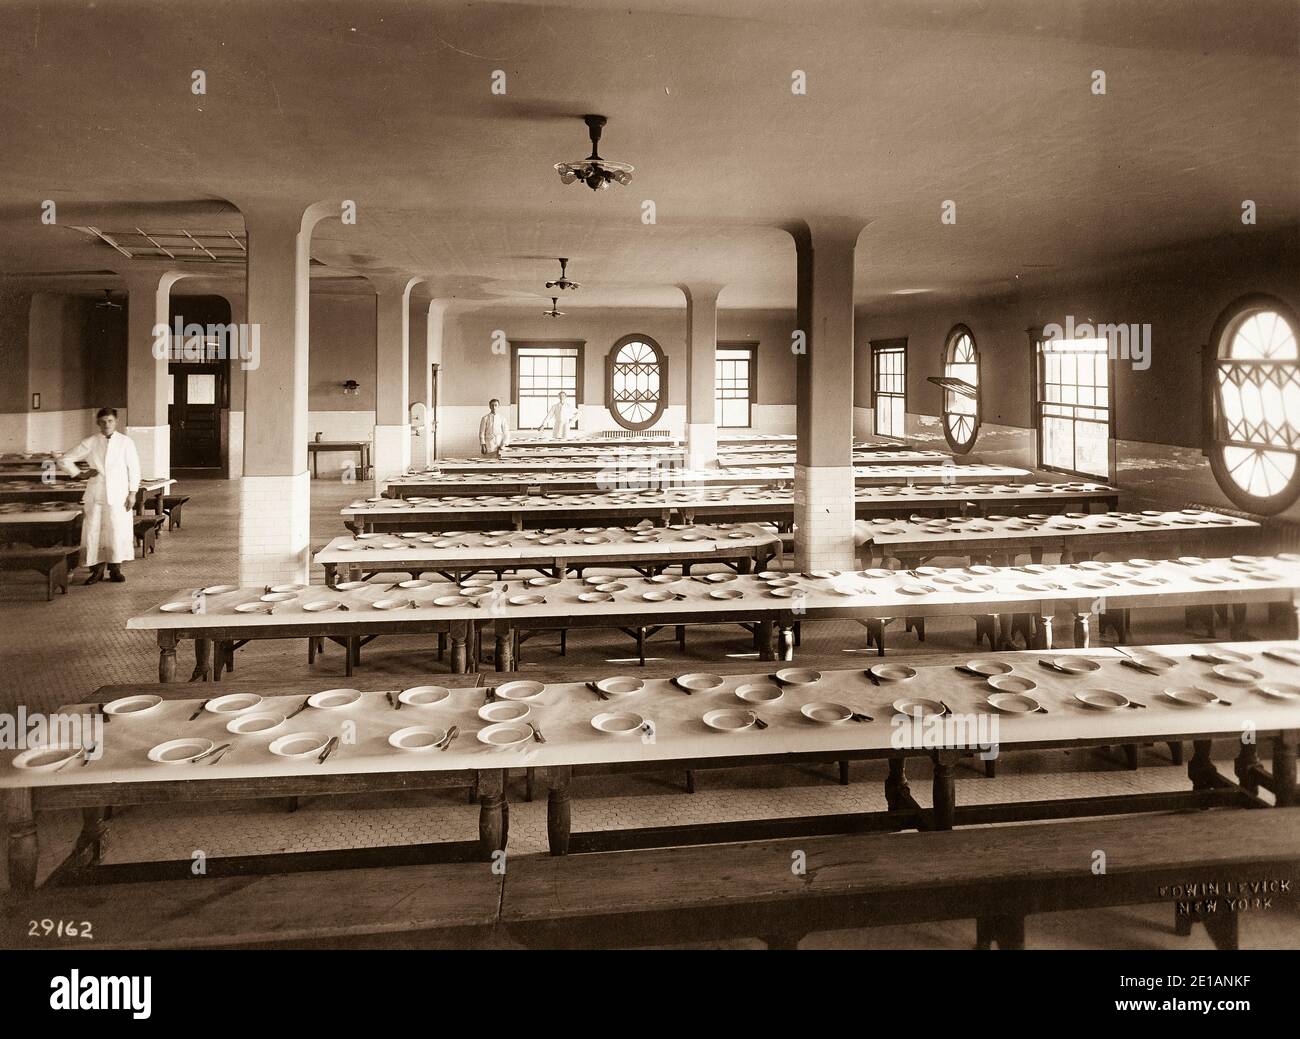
(563, 281)
(594, 171)
(553, 312)
(107, 302)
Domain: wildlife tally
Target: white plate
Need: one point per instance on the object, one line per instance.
(504, 711)
(974, 587)
(760, 692)
(798, 676)
(321, 605)
(1011, 683)
(389, 604)
(520, 690)
(233, 703)
(417, 737)
(1191, 696)
(729, 719)
(1154, 661)
(278, 596)
(892, 672)
(911, 588)
(423, 695)
(250, 607)
(594, 597)
(660, 579)
(719, 578)
(1236, 673)
(620, 685)
(611, 587)
(278, 588)
(349, 586)
(1220, 656)
(1287, 656)
(255, 723)
(177, 752)
(988, 668)
(542, 582)
(505, 734)
(1013, 703)
(298, 744)
(912, 706)
(1102, 699)
(331, 699)
(526, 600)
(699, 682)
(220, 589)
(725, 593)
(658, 595)
(825, 712)
(451, 600)
(177, 607)
(45, 759)
(1074, 665)
(132, 704)
(1279, 690)
(618, 723)
(418, 582)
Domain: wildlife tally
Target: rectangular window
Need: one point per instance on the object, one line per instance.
(540, 372)
(735, 386)
(889, 387)
(1073, 405)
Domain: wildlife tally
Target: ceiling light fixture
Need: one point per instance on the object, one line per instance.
(553, 312)
(594, 171)
(563, 281)
(107, 302)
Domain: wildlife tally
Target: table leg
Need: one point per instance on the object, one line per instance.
(505, 645)
(202, 660)
(166, 656)
(1082, 630)
(493, 820)
(787, 641)
(459, 661)
(766, 634)
(94, 827)
(558, 810)
(1201, 770)
(1245, 767)
(898, 795)
(20, 822)
(1284, 768)
(1044, 635)
(945, 787)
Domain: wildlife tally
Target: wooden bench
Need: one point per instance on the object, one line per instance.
(997, 874)
(445, 904)
(172, 505)
(54, 562)
(146, 533)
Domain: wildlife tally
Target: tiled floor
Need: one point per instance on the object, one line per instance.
(55, 652)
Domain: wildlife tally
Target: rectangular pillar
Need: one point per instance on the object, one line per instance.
(701, 374)
(824, 485)
(392, 435)
(148, 352)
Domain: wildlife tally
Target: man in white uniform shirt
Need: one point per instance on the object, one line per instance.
(493, 431)
(560, 417)
(107, 528)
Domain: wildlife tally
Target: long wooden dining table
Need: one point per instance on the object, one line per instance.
(722, 504)
(40, 524)
(553, 551)
(567, 733)
(614, 460)
(769, 603)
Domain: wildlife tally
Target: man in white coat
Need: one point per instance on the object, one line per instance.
(493, 431)
(560, 417)
(107, 529)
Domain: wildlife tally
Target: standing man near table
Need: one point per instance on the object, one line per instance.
(559, 418)
(107, 529)
(493, 431)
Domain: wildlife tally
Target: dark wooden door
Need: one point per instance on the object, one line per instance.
(198, 395)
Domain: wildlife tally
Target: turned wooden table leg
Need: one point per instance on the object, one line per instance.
(1083, 630)
(459, 660)
(1043, 637)
(1246, 767)
(492, 818)
(166, 656)
(505, 646)
(20, 822)
(558, 810)
(766, 635)
(787, 641)
(1201, 770)
(94, 828)
(898, 795)
(945, 788)
(202, 660)
(1284, 768)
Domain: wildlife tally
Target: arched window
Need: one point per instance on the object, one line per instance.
(636, 375)
(1256, 390)
(961, 372)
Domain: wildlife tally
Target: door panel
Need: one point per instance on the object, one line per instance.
(197, 397)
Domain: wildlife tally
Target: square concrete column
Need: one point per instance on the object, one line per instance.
(823, 479)
(148, 351)
(701, 374)
(426, 351)
(275, 491)
(238, 381)
(392, 437)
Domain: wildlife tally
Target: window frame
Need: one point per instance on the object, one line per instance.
(949, 345)
(752, 382)
(879, 347)
(661, 361)
(1037, 374)
(1225, 328)
(547, 344)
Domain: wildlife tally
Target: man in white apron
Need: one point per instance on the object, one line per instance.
(107, 528)
(560, 417)
(493, 431)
